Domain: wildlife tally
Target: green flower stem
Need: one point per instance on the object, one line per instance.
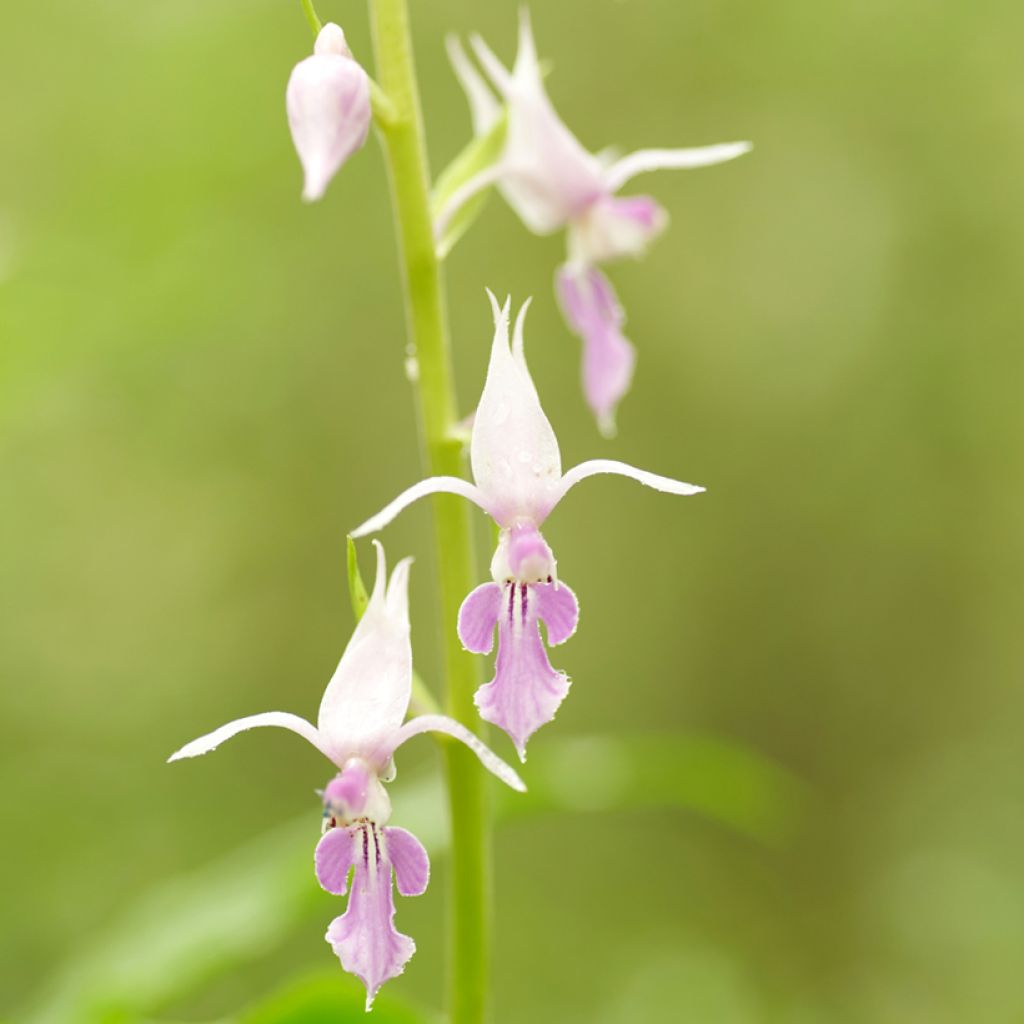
(311, 16)
(445, 455)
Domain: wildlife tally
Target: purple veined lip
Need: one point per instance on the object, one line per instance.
(592, 311)
(526, 691)
(364, 938)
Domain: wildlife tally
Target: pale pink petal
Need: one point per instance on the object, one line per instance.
(478, 617)
(615, 227)
(559, 610)
(356, 792)
(328, 104)
(670, 159)
(514, 451)
(529, 557)
(592, 311)
(595, 466)
(364, 937)
(368, 695)
(432, 485)
(483, 107)
(336, 854)
(526, 691)
(280, 719)
(549, 177)
(442, 723)
(410, 861)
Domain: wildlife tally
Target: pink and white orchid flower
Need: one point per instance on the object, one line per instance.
(553, 182)
(329, 113)
(517, 469)
(359, 728)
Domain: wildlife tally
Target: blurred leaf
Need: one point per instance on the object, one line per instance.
(191, 929)
(356, 588)
(479, 154)
(333, 998)
(718, 778)
(186, 931)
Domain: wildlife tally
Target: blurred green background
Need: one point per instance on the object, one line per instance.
(201, 388)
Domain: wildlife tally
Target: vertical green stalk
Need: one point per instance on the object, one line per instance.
(407, 162)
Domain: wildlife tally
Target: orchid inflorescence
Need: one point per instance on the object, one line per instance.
(552, 183)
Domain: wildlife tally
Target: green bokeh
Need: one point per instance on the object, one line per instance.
(202, 388)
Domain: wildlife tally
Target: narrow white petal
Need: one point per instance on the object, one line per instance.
(518, 351)
(645, 160)
(281, 719)
(432, 485)
(496, 71)
(398, 590)
(368, 695)
(596, 466)
(527, 66)
(442, 723)
(484, 109)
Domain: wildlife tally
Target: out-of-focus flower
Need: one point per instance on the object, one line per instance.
(328, 104)
(359, 727)
(553, 182)
(517, 468)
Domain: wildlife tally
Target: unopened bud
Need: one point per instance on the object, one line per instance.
(328, 103)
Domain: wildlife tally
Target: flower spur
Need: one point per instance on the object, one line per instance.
(517, 469)
(552, 182)
(358, 728)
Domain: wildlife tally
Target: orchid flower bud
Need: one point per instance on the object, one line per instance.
(328, 103)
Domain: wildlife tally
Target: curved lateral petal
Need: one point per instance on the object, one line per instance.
(595, 466)
(335, 856)
(432, 485)
(645, 160)
(558, 609)
(484, 109)
(410, 861)
(478, 615)
(442, 723)
(281, 719)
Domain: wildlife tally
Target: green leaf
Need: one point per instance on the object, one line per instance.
(718, 778)
(356, 588)
(187, 931)
(330, 998)
(479, 154)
